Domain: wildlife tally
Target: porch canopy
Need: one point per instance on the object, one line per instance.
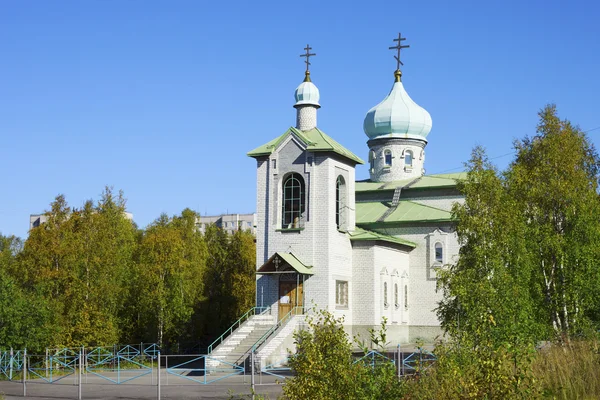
(284, 263)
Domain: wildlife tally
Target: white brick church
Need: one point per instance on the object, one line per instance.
(363, 250)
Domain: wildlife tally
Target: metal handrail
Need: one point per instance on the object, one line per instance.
(283, 320)
(236, 324)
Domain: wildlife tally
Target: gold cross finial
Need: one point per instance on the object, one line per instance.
(307, 55)
(399, 47)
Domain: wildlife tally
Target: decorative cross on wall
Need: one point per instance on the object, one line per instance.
(276, 261)
(308, 54)
(399, 47)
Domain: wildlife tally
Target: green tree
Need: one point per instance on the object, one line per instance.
(529, 241)
(25, 321)
(230, 278)
(486, 294)
(170, 272)
(78, 261)
(555, 181)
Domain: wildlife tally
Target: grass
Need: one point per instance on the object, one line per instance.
(569, 371)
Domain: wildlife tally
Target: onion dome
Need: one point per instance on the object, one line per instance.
(307, 93)
(397, 116)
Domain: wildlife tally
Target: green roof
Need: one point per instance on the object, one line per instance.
(438, 181)
(290, 263)
(406, 212)
(315, 141)
(363, 234)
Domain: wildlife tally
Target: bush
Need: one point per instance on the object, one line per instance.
(324, 367)
(475, 373)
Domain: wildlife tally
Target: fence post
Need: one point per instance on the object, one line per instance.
(158, 377)
(10, 374)
(398, 360)
(80, 374)
(46, 362)
(24, 372)
(252, 385)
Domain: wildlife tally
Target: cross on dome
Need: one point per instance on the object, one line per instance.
(399, 47)
(307, 55)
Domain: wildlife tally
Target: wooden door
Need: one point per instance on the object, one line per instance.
(290, 296)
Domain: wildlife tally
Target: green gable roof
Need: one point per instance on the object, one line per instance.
(363, 234)
(439, 181)
(406, 212)
(291, 263)
(315, 141)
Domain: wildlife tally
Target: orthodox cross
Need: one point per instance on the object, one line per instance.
(276, 261)
(308, 55)
(399, 47)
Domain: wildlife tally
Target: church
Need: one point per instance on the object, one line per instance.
(363, 250)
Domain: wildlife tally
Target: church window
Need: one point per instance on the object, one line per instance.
(341, 294)
(387, 154)
(439, 252)
(408, 158)
(396, 302)
(406, 297)
(340, 202)
(385, 294)
(274, 164)
(293, 202)
(372, 160)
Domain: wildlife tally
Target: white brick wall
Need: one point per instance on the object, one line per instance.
(333, 257)
(306, 117)
(398, 170)
(319, 244)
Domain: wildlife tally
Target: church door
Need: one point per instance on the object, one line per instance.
(290, 296)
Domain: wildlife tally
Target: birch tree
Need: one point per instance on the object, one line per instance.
(528, 266)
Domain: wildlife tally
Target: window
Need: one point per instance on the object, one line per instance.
(274, 164)
(408, 158)
(439, 252)
(387, 154)
(406, 297)
(293, 202)
(396, 302)
(372, 160)
(249, 224)
(341, 294)
(385, 294)
(340, 202)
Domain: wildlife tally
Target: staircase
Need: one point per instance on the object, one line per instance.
(275, 351)
(235, 349)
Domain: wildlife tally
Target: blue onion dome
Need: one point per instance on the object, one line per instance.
(397, 116)
(307, 93)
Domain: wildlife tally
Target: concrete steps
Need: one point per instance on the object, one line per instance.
(234, 350)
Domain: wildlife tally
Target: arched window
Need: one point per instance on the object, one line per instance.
(293, 202)
(406, 297)
(340, 202)
(396, 302)
(387, 155)
(408, 158)
(372, 160)
(439, 252)
(385, 294)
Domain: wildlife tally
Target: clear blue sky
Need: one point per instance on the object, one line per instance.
(164, 99)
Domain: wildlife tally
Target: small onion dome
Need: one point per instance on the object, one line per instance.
(307, 93)
(397, 116)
